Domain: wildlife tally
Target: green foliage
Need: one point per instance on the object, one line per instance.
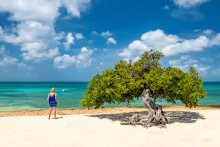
(127, 81)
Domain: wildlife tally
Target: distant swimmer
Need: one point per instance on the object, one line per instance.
(64, 90)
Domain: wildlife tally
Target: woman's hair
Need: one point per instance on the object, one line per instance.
(52, 90)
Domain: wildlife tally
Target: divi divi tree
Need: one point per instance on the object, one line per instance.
(145, 79)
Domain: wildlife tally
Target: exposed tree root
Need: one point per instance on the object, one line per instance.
(154, 117)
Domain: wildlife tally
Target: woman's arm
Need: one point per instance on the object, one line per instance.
(56, 98)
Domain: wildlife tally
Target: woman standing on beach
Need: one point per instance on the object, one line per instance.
(52, 100)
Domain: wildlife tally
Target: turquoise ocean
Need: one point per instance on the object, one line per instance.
(32, 95)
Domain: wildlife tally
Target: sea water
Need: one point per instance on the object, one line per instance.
(32, 95)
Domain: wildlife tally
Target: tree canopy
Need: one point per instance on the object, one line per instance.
(127, 80)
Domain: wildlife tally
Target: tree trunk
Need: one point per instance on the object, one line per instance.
(155, 114)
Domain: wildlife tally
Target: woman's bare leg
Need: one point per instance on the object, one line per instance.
(54, 112)
(50, 109)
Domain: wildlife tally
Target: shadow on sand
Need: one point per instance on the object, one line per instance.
(172, 116)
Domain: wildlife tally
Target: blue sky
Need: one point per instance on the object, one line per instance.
(72, 40)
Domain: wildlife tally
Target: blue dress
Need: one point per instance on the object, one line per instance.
(52, 101)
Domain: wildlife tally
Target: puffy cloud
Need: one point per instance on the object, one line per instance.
(215, 40)
(79, 36)
(39, 56)
(69, 41)
(185, 62)
(207, 32)
(74, 7)
(191, 14)
(62, 62)
(169, 44)
(189, 3)
(81, 60)
(134, 50)
(7, 61)
(158, 39)
(42, 10)
(23, 66)
(60, 36)
(106, 34)
(26, 10)
(34, 32)
(197, 44)
(201, 68)
(34, 38)
(111, 41)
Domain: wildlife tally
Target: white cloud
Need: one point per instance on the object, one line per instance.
(26, 10)
(134, 49)
(74, 7)
(7, 61)
(62, 62)
(215, 40)
(23, 66)
(197, 44)
(69, 41)
(201, 68)
(60, 36)
(169, 45)
(79, 36)
(106, 34)
(82, 60)
(189, 3)
(34, 32)
(158, 39)
(207, 32)
(42, 10)
(39, 56)
(111, 41)
(34, 38)
(185, 62)
(2, 49)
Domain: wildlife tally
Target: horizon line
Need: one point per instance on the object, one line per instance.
(69, 81)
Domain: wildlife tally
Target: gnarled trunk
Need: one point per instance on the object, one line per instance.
(155, 114)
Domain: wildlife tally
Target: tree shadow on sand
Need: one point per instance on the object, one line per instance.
(172, 116)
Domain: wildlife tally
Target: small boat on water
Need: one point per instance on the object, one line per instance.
(64, 90)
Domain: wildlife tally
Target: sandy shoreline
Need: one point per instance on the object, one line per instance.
(77, 111)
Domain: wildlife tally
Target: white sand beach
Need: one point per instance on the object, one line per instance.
(198, 128)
